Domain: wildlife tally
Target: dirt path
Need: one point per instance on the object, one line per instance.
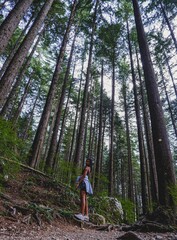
(64, 231)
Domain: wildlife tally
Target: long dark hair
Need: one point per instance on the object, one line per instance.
(91, 162)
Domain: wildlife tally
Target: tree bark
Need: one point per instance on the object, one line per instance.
(144, 184)
(53, 143)
(79, 144)
(171, 75)
(19, 78)
(169, 25)
(168, 101)
(149, 141)
(11, 22)
(111, 153)
(36, 149)
(9, 58)
(98, 159)
(77, 111)
(18, 59)
(26, 129)
(21, 103)
(163, 157)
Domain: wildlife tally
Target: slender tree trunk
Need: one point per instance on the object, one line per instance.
(149, 141)
(49, 135)
(36, 149)
(87, 148)
(9, 58)
(111, 158)
(163, 157)
(77, 109)
(18, 59)
(171, 75)
(129, 151)
(98, 159)
(21, 103)
(53, 143)
(25, 133)
(102, 146)
(168, 24)
(91, 98)
(11, 22)
(123, 194)
(19, 78)
(144, 184)
(93, 142)
(79, 144)
(168, 101)
(63, 124)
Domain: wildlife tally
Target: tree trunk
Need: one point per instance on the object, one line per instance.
(129, 151)
(149, 141)
(25, 133)
(169, 25)
(9, 58)
(91, 109)
(163, 157)
(171, 75)
(79, 144)
(98, 159)
(11, 22)
(168, 101)
(77, 111)
(63, 125)
(36, 149)
(53, 143)
(19, 78)
(21, 103)
(111, 158)
(144, 184)
(18, 59)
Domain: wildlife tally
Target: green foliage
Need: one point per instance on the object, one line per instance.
(173, 193)
(129, 210)
(66, 172)
(9, 142)
(9, 148)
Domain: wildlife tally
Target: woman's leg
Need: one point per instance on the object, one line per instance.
(83, 201)
(86, 205)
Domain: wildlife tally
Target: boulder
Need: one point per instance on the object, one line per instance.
(97, 219)
(111, 209)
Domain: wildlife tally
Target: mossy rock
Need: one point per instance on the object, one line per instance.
(97, 219)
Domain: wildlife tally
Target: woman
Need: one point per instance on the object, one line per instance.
(84, 184)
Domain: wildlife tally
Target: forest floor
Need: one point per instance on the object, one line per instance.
(33, 208)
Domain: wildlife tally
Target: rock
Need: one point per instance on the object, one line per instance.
(158, 237)
(114, 207)
(97, 219)
(130, 235)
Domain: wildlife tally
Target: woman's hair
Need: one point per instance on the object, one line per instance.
(91, 162)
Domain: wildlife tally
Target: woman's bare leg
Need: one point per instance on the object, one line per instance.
(83, 201)
(86, 205)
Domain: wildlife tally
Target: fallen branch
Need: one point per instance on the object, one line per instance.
(26, 167)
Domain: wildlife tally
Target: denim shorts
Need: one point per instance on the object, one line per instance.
(82, 186)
